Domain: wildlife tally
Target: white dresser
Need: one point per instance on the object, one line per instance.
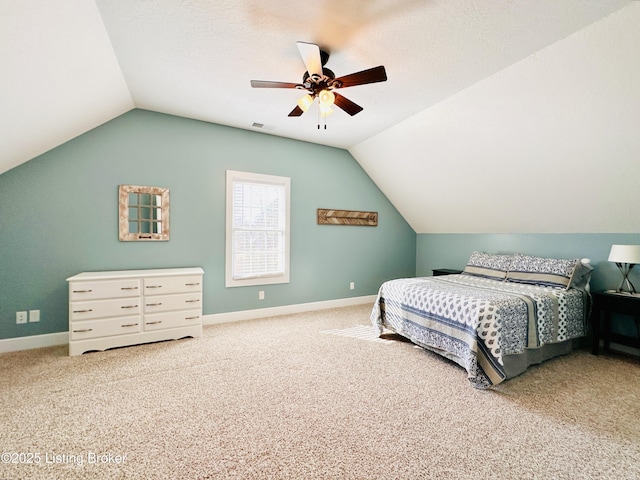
(129, 307)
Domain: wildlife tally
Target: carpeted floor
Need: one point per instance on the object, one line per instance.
(310, 396)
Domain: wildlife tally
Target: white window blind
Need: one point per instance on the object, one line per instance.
(257, 229)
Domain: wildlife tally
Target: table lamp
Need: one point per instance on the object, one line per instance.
(625, 257)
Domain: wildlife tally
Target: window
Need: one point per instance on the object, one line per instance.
(257, 229)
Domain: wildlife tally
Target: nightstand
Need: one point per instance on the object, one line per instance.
(607, 303)
(445, 271)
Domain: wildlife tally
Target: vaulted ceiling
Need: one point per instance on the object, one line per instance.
(71, 65)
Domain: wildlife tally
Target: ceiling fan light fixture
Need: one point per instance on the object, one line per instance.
(325, 110)
(327, 98)
(305, 102)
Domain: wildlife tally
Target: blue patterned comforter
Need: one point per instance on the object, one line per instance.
(476, 321)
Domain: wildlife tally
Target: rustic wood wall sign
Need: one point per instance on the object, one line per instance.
(347, 217)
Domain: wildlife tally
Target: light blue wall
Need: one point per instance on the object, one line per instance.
(59, 216)
(453, 251)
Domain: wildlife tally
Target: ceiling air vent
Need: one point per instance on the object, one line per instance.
(262, 126)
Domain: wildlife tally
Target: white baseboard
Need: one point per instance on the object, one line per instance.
(62, 338)
(227, 317)
(33, 341)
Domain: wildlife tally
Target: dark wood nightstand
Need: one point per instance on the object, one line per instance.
(607, 303)
(445, 271)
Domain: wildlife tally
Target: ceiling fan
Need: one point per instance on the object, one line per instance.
(321, 83)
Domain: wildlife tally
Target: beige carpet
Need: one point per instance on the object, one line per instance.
(310, 396)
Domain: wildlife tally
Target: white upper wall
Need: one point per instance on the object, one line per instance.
(70, 65)
(60, 76)
(550, 144)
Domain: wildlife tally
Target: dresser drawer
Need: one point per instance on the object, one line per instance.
(179, 284)
(104, 308)
(160, 321)
(104, 289)
(164, 303)
(105, 327)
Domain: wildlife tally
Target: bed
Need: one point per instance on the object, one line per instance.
(502, 314)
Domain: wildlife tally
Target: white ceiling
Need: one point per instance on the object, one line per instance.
(71, 65)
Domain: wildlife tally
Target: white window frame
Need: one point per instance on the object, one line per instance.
(246, 177)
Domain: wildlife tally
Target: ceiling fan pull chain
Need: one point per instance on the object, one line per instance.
(324, 118)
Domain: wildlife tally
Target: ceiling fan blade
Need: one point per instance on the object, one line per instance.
(267, 84)
(346, 104)
(310, 53)
(296, 112)
(372, 75)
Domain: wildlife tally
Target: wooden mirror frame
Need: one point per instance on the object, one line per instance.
(125, 235)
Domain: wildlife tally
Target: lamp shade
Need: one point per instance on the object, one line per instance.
(325, 110)
(327, 97)
(305, 102)
(625, 254)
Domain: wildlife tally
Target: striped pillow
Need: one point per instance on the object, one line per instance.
(548, 272)
(488, 265)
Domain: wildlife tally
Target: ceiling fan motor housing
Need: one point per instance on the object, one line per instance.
(317, 83)
(324, 57)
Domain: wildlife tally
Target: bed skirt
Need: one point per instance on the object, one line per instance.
(514, 364)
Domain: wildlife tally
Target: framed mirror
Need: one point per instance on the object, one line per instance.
(143, 213)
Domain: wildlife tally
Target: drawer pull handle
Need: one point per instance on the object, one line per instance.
(192, 318)
(129, 306)
(129, 325)
(192, 284)
(82, 291)
(128, 288)
(83, 330)
(192, 301)
(83, 311)
(153, 286)
(154, 323)
(154, 304)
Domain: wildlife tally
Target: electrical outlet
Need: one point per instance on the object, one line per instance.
(352, 286)
(261, 295)
(34, 315)
(21, 317)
